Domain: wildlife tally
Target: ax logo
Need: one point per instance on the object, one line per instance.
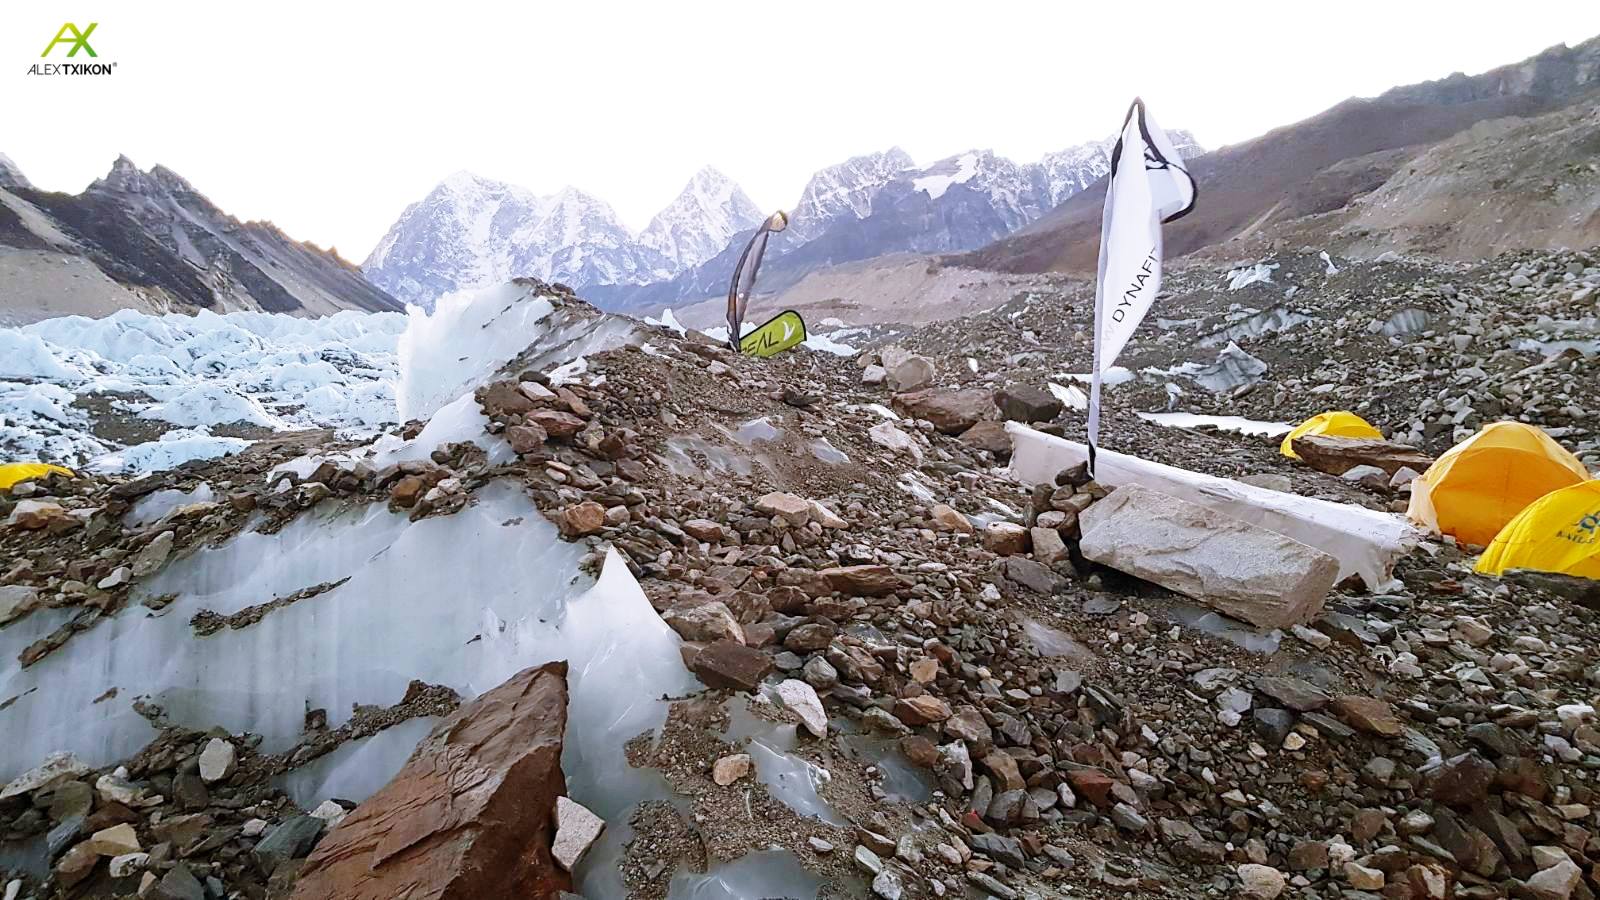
(77, 40)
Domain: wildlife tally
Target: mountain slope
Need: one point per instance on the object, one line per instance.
(699, 223)
(10, 175)
(149, 240)
(1243, 186)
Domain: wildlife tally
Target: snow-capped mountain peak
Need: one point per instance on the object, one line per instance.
(696, 225)
(845, 190)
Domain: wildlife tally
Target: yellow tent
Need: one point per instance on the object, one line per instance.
(1336, 424)
(1480, 484)
(1559, 532)
(11, 473)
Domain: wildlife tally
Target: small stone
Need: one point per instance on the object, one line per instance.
(730, 768)
(707, 622)
(704, 530)
(925, 670)
(526, 439)
(1362, 878)
(217, 761)
(128, 863)
(799, 697)
(950, 519)
(1555, 883)
(820, 846)
(1005, 538)
(793, 510)
(1261, 882)
(582, 519)
(330, 812)
(1369, 714)
(114, 841)
(577, 829)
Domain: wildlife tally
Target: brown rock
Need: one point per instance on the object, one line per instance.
(559, 425)
(990, 436)
(1048, 547)
(472, 812)
(32, 515)
(796, 511)
(731, 768)
(583, 518)
(951, 412)
(1027, 403)
(950, 519)
(407, 491)
(703, 530)
(923, 709)
(525, 439)
(1368, 714)
(731, 665)
(1337, 455)
(919, 751)
(1461, 780)
(1003, 767)
(863, 581)
(503, 398)
(711, 621)
(1005, 538)
(1093, 785)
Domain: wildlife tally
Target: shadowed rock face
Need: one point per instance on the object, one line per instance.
(471, 815)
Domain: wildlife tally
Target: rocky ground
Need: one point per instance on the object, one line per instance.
(839, 545)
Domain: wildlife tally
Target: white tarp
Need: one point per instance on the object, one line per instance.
(1365, 542)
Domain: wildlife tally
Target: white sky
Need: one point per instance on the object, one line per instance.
(328, 118)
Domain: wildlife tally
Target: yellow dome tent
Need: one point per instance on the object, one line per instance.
(1335, 424)
(11, 473)
(1480, 484)
(1559, 532)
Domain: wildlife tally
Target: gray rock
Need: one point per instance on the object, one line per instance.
(1243, 570)
(291, 840)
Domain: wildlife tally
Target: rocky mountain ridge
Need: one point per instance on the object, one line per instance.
(470, 232)
(1283, 180)
(148, 240)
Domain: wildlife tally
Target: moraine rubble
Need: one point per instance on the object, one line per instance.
(909, 682)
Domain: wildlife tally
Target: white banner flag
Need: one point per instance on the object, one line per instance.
(1148, 186)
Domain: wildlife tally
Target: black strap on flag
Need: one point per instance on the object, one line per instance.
(744, 275)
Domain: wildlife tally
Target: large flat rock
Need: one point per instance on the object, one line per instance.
(1243, 570)
(472, 813)
(1338, 455)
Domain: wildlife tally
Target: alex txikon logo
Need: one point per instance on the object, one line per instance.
(75, 40)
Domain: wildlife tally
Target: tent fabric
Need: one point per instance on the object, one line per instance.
(1338, 423)
(1559, 532)
(11, 473)
(1480, 484)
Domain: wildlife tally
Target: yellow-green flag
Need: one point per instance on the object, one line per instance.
(780, 333)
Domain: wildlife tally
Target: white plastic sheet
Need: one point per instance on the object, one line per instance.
(1365, 542)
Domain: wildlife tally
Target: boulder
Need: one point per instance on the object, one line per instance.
(1243, 570)
(1337, 455)
(471, 814)
(951, 412)
(909, 374)
(1027, 403)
